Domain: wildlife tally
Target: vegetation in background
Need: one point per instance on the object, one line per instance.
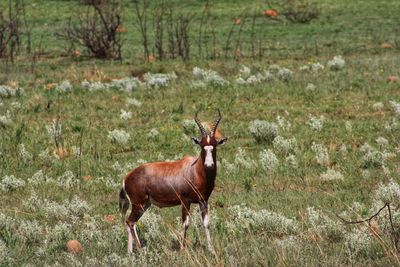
(313, 127)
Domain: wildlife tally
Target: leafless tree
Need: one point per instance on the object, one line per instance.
(97, 30)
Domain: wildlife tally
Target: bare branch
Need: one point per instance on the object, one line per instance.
(362, 221)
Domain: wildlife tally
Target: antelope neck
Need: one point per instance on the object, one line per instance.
(201, 167)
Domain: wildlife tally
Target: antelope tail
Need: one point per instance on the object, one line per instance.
(123, 203)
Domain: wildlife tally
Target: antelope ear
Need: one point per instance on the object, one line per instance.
(196, 141)
(222, 141)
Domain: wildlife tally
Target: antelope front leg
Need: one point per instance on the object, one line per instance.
(206, 220)
(185, 222)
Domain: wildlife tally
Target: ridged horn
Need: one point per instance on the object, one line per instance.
(202, 130)
(216, 123)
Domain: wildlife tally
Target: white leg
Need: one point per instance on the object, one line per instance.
(206, 220)
(185, 223)
(136, 236)
(185, 227)
(130, 239)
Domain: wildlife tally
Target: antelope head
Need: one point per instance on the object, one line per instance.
(208, 143)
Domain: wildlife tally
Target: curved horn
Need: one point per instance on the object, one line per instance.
(216, 123)
(202, 130)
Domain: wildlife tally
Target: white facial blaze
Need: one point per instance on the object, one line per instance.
(209, 162)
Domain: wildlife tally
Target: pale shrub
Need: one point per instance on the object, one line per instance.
(396, 107)
(316, 123)
(337, 63)
(126, 84)
(38, 177)
(331, 175)
(288, 242)
(64, 87)
(153, 133)
(285, 146)
(157, 80)
(125, 115)
(3, 251)
(373, 158)
(229, 168)
(324, 226)
(114, 259)
(310, 87)
(209, 77)
(321, 154)
(243, 160)
(358, 242)
(189, 126)
(317, 66)
(388, 193)
(382, 142)
(11, 183)
(283, 123)
(7, 91)
(5, 120)
(291, 160)
(118, 136)
(68, 180)
(263, 131)
(245, 72)
(378, 106)
(25, 155)
(285, 74)
(29, 231)
(268, 160)
(8, 225)
(133, 102)
(246, 219)
(151, 223)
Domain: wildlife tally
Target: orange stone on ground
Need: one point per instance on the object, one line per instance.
(87, 177)
(50, 86)
(386, 45)
(116, 98)
(151, 58)
(120, 29)
(270, 13)
(109, 218)
(77, 53)
(74, 246)
(393, 78)
(61, 152)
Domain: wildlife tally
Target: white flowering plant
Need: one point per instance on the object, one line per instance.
(120, 137)
(263, 131)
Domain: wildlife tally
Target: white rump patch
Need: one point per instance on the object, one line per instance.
(209, 162)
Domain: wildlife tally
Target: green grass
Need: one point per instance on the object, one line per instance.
(353, 29)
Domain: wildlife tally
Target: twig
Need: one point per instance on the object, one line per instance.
(362, 221)
(390, 217)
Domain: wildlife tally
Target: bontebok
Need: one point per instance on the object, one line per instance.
(165, 184)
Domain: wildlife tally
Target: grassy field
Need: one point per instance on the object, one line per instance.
(309, 137)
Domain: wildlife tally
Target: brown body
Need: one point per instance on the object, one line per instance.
(165, 184)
